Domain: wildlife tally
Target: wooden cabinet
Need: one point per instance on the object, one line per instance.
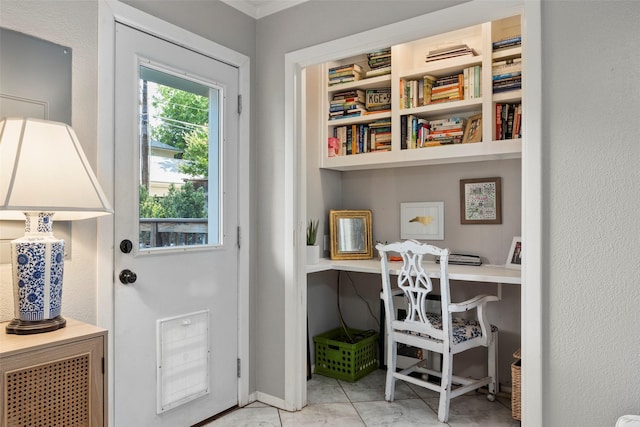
(55, 378)
(409, 65)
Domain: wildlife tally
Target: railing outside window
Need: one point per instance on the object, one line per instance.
(167, 232)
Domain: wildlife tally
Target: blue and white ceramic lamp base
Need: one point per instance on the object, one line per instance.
(38, 266)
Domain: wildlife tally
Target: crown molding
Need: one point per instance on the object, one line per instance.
(260, 8)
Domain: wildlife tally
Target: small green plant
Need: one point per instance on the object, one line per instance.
(312, 232)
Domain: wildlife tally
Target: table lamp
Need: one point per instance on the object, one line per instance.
(43, 174)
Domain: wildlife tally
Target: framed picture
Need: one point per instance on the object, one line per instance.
(480, 201)
(514, 260)
(473, 130)
(422, 221)
(350, 232)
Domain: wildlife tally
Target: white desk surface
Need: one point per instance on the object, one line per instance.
(470, 273)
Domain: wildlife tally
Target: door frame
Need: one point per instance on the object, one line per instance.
(110, 11)
(467, 14)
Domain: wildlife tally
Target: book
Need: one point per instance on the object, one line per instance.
(450, 52)
(506, 75)
(378, 71)
(348, 67)
(346, 106)
(507, 42)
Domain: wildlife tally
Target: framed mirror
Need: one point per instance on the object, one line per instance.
(350, 232)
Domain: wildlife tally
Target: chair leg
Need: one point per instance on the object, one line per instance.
(445, 387)
(392, 360)
(493, 364)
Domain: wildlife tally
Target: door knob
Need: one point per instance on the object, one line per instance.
(126, 246)
(127, 277)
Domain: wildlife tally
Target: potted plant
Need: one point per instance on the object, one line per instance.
(313, 250)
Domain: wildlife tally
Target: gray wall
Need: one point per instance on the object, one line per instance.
(591, 258)
(302, 26)
(590, 99)
(72, 24)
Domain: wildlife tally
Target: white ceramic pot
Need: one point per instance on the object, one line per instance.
(313, 254)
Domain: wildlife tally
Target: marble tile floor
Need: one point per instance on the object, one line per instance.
(338, 403)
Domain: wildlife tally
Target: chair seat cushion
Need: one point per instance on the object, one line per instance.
(463, 329)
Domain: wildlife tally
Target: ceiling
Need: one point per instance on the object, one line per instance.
(260, 8)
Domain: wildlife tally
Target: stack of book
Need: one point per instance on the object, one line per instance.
(507, 75)
(416, 132)
(378, 100)
(379, 62)
(448, 88)
(508, 121)
(380, 135)
(350, 103)
(444, 131)
(344, 74)
(507, 42)
(450, 52)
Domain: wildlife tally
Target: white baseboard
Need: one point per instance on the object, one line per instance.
(272, 401)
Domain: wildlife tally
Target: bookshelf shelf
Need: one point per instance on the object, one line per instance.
(370, 83)
(445, 108)
(408, 63)
(443, 67)
(358, 120)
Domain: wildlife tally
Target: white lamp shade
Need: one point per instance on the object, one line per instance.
(43, 168)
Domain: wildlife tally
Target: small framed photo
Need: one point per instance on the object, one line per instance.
(473, 130)
(514, 260)
(481, 201)
(422, 221)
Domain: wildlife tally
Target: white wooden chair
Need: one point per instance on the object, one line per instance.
(443, 333)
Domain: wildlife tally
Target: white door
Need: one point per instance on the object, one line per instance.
(176, 248)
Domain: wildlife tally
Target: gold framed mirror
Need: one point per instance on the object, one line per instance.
(350, 232)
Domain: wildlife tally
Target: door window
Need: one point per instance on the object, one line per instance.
(179, 136)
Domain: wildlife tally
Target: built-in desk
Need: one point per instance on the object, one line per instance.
(469, 273)
(497, 274)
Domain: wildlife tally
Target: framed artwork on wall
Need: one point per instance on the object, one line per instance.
(480, 201)
(422, 221)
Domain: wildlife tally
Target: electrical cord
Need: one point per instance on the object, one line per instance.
(343, 324)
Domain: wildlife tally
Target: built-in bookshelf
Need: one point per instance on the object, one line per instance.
(454, 97)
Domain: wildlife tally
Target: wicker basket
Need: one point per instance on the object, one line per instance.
(515, 386)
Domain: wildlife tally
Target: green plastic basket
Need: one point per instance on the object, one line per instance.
(339, 359)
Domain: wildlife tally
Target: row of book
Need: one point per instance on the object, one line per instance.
(450, 52)
(430, 90)
(363, 138)
(507, 42)
(379, 62)
(416, 132)
(508, 121)
(507, 75)
(358, 102)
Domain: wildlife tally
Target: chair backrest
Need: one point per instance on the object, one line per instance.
(416, 284)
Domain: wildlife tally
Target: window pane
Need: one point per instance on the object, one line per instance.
(179, 161)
